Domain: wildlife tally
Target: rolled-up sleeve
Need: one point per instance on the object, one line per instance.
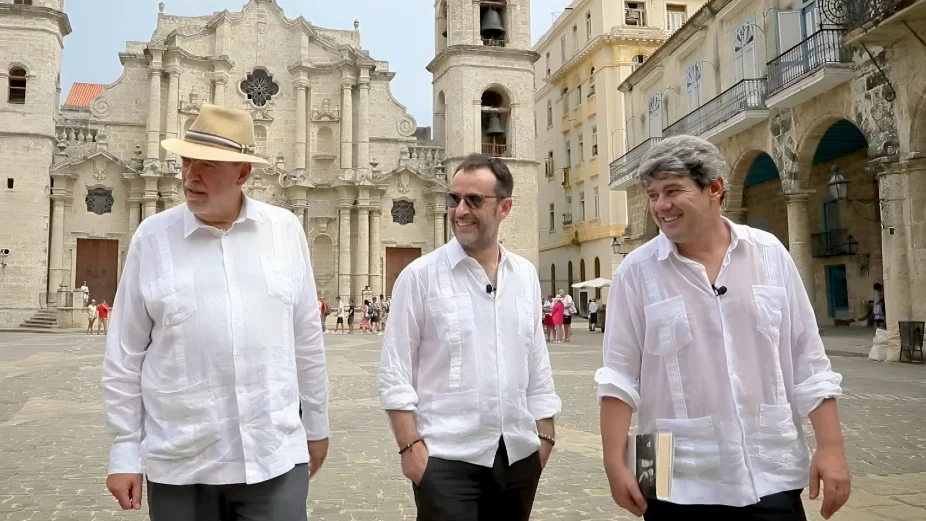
(623, 343)
(814, 378)
(400, 344)
(310, 348)
(126, 346)
(542, 400)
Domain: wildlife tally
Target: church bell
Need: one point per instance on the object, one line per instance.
(492, 27)
(494, 127)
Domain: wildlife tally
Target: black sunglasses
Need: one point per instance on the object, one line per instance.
(474, 201)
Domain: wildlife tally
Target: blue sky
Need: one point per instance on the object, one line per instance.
(398, 31)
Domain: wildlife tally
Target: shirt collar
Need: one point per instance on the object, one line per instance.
(665, 246)
(249, 211)
(456, 254)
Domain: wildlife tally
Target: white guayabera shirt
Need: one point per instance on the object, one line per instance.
(731, 376)
(472, 366)
(214, 340)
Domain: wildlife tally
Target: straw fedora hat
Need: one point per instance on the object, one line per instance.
(218, 134)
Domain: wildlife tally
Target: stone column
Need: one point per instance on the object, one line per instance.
(150, 205)
(173, 100)
(56, 247)
(916, 253)
(362, 276)
(301, 128)
(344, 264)
(440, 214)
(799, 244)
(134, 214)
(376, 278)
(154, 106)
(893, 192)
(347, 124)
(220, 83)
(363, 121)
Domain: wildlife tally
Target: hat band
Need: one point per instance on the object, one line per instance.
(219, 141)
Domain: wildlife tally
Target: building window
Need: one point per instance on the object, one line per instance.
(552, 217)
(568, 153)
(22, 2)
(594, 140)
(655, 115)
(637, 61)
(579, 95)
(575, 38)
(635, 14)
(562, 48)
(588, 25)
(675, 17)
(549, 113)
(568, 219)
(99, 201)
(9, 183)
(403, 212)
(744, 51)
(693, 85)
(564, 95)
(17, 92)
(596, 203)
(548, 63)
(591, 82)
(260, 87)
(581, 148)
(582, 205)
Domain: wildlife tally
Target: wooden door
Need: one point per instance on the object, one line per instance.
(396, 261)
(98, 265)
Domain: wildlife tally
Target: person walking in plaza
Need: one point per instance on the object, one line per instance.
(92, 315)
(102, 312)
(558, 314)
(592, 314)
(711, 336)
(465, 374)
(569, 309)
(215, 343)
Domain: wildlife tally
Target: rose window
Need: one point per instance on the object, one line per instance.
(260, 87)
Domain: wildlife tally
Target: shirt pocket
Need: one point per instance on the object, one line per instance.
(455, 416)
(770, 302)
(180, 424)
(777, 442)
(175, 294)
(667, 327)
(454, 322)
(279, 284)
(705, 450)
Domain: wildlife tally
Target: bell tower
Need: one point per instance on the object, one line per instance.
(483, 99)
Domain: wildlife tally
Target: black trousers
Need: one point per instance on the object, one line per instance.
(458, 491)
(282, 498)
(783, 506)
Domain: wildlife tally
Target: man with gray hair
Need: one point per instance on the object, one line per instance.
(712, 337)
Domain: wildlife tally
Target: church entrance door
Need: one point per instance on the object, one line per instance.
(98, 264)
(396, 261)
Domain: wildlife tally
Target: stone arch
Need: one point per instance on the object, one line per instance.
(740, 172)
(809, 143)
(582, 275)
(324, 141)
(754, 194)
(440, 119)
(498, 87)
(18, 78)
(496, 122)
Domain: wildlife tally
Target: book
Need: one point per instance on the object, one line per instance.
(650, 457)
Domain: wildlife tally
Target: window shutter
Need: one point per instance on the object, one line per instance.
(789, 29)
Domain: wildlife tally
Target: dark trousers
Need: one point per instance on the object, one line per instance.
(282, 498)
(458, 491)
(783, 506)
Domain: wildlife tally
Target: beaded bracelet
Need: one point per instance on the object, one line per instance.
(404, 449)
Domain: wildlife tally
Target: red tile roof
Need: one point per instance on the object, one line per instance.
(82, 94)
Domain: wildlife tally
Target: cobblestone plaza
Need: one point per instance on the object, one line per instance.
(54, 448)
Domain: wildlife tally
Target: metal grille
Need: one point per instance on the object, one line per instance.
(745, 95)
(819, 49)
(260, 87)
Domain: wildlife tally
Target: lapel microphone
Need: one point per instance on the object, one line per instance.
(489, 289)
(721, 291)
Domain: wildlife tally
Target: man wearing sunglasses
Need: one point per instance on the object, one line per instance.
(465, 374)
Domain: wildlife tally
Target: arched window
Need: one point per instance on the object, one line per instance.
(549, 113)
(17, 93)
(496, 113)
(597, 274)
(582, 270)
(552, 279)
(569, 280)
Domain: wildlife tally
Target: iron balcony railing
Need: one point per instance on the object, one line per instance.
(745, 95)
(495, 149)
(819, 49)
(860, 13)
(629, 162)
(831, 243)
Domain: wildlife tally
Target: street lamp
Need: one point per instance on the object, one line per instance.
(616, 247)
(838, 184)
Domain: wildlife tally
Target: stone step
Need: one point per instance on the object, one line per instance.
(43, 320)
(33, 325)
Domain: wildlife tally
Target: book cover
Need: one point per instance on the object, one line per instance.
(650, 457)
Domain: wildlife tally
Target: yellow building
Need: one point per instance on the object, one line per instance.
(591, 48)
(819, 108)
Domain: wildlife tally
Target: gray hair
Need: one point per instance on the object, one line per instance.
(683, 156)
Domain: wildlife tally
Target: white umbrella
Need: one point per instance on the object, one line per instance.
(594, 283)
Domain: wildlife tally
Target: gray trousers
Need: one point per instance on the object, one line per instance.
(282, 498)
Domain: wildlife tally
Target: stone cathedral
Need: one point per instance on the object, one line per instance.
(347, 159)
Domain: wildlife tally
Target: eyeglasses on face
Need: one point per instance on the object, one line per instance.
(474, 201)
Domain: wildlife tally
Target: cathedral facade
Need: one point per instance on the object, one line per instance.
(346, 157)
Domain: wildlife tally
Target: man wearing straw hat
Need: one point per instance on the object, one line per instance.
(214, 344)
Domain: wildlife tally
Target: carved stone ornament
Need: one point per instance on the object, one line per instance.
(99, 201)
(326, 112)
(403, 183)
(403, 212)
(406, 126)
(192, 104)
(260, 87)
(99, 169)
(101, 108)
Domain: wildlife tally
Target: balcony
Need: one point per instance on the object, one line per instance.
(624, 168)
(808, 69)
(733, 111)
(495, 149)
(833, 243)
(635, 17)
(879, 22)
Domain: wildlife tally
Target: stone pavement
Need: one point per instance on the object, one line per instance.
(53, 449)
